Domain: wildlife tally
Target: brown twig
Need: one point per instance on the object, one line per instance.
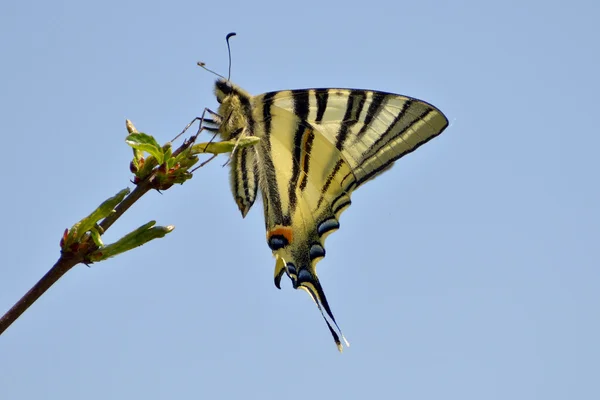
(80, 254)
(68, 260)
(62, 266)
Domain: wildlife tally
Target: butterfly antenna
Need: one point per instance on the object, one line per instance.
(229, 35)
(203, 66)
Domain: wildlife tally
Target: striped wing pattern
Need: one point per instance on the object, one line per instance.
(317, 146)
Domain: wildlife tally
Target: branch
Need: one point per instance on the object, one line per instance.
(159, 170)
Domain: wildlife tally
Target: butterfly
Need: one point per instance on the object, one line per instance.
(316, 147)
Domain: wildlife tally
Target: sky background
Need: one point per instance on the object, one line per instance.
(469, 271)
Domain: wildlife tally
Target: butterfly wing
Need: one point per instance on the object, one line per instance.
(235, 120)
(371, 129)
(244, 178)
(317, 146)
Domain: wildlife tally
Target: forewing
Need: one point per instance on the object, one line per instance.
(371, 129)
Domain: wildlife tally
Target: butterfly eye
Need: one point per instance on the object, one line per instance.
(223, 88)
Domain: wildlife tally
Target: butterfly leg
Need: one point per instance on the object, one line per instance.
(209, 124)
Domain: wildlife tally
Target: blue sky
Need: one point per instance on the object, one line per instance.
(468, 271)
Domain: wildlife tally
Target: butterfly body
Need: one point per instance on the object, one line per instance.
(316, 146)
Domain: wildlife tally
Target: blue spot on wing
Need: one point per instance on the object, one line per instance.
(317, 251)
(291, 269)
(328, 225)
(305, 276)
(277, 242)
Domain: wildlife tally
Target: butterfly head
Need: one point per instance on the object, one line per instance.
(223, 90)
(234, 107)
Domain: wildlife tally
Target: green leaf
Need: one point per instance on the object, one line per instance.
(95, 234)
(169, 159)
(147, 168)
(139, 237)
(147, 143)
(86, 224)
(186, 159)
(167, 150)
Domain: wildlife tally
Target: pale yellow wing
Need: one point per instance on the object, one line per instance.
(316, 147)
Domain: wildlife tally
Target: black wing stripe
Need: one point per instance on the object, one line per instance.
(385, 137)
(247, 113)
(244, 169)
(322, 98)
(274, 201)
(306, 158)
(354, 106)
(332, 175)
(300, 100)
(337, 208)
(372, 112)
(385, 165)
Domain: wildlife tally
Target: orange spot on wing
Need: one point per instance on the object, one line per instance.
(281, 230)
